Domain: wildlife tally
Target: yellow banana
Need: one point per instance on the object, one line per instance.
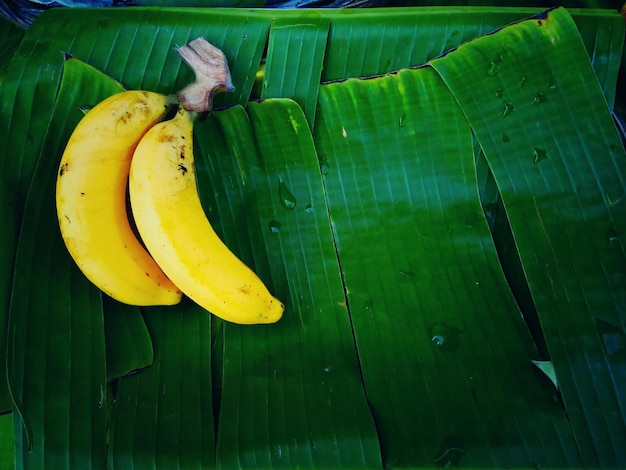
(91, 199)
(176, 231)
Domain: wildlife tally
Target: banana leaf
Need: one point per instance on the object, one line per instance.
(358, 202)
(128, 344)
(8, 240)
(567, 204)
(306, 41)
(10, 37)
(163, 417)
(451, 392)
(56, 347)
(6, 441)
(265, 417)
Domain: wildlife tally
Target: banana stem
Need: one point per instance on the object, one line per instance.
(212, 75)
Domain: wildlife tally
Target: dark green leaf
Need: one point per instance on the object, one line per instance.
(291, 393)
(366, 43)
(363, 44)
(56, 334)
(10, 37)
(6, 442)
(128, 344)
(137, 46)
(8, 240)
(429, 304)
(561, 175)
(602, 33)
(163, 416)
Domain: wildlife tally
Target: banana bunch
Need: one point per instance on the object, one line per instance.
(127, 148)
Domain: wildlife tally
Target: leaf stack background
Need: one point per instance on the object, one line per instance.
(431, 231)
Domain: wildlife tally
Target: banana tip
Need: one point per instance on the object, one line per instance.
(276, 310)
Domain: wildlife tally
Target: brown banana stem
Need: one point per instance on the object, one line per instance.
(212, 75)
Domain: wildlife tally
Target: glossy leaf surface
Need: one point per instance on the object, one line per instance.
(366, 206)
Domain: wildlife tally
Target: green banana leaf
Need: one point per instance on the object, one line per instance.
(567, 203)
(128, 344)
(426, 215)
(163, 417)
(6, 441)
(10, 36)
(56, 345)
(254, 177)
(366, 205)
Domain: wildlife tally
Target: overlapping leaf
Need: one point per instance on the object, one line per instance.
(10, 36)
(550, 141)
(301, 40)
(292, 393)
(8, 240)
(163, 417)
(128, 344)
(428, 300)
(56, 355)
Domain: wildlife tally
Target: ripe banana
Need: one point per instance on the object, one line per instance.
(177, 233)
(91, 200)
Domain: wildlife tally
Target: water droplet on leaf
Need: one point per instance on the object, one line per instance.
(539, 98)
(287, 199)
(612, 236)
(494, 65)
(402, 120)
(274, 226)
(508, 109)
(493, 69)
(539, 154)
(438, 340)
(445, 337)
